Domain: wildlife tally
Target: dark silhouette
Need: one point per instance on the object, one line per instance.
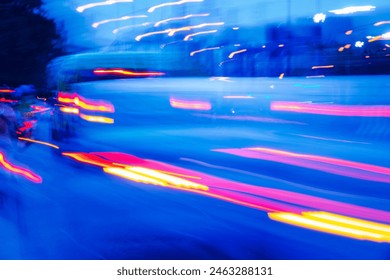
(28, 41)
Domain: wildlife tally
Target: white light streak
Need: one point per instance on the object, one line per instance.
(203, 50)
(96, 24)
(187, 28)
(140, 37)
(236, 52)
(81, 9)
(353, 9)
(179, 18)
(152, 9)
(115, 31)
(199, 33)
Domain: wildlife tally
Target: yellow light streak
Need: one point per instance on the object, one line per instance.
(128, 174)
(97, 119)
(336, 224)
(70, 110)
(166, 178)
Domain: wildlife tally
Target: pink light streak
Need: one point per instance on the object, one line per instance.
(190, 104)
(257, 197)
(332, 109)
(326, 164)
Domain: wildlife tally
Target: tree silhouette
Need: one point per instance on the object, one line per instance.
(28, 41)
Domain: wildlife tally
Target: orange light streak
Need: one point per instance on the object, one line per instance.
(38, 142)
(7, 90)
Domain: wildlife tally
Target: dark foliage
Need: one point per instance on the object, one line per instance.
(28, 41)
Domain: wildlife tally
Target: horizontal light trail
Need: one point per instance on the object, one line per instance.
(152, 9)
(157, 24)
(332, 109)
(336, 224)
(82, 8)
(325, 164)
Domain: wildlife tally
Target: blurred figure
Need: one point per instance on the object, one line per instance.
(8, 124)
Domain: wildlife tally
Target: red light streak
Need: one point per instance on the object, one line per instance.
(3, 100)
(86, 104)
(19, 170)
(333, 109)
